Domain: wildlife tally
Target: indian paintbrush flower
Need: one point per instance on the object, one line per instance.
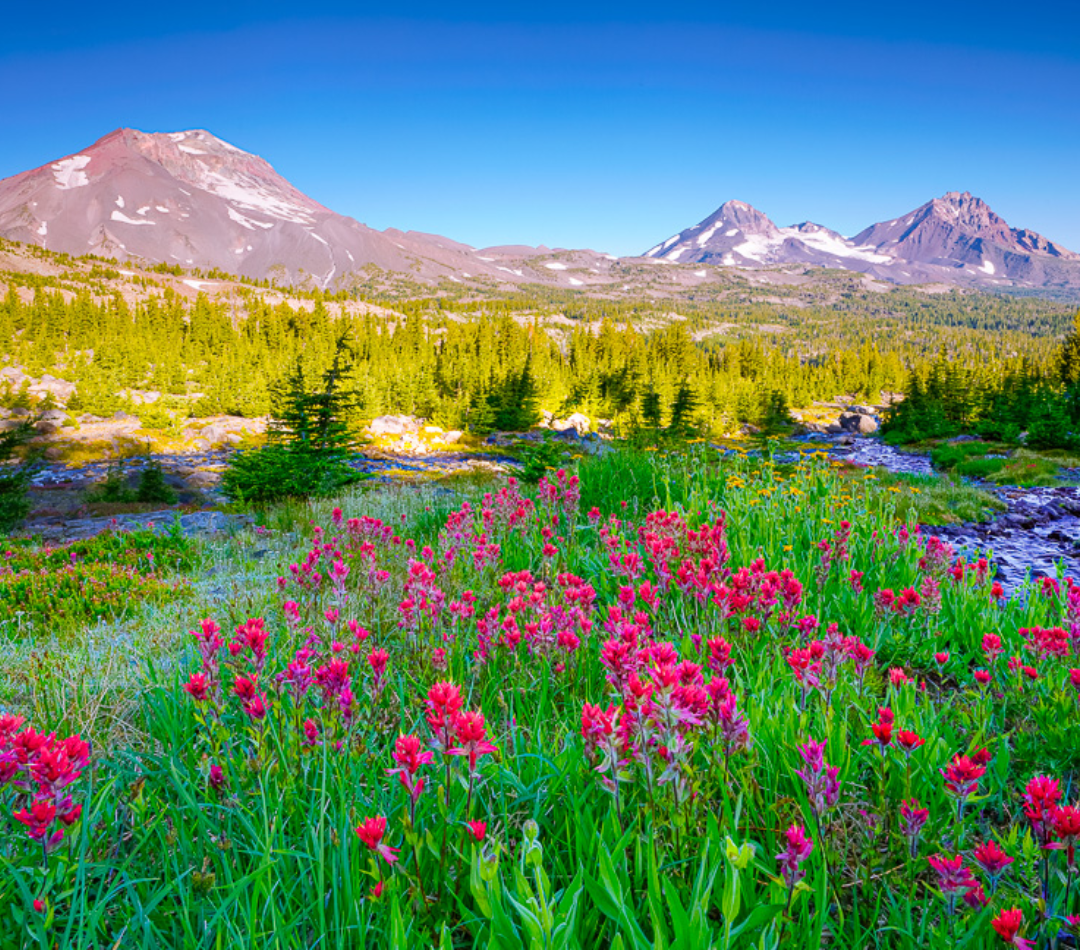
(370, 831)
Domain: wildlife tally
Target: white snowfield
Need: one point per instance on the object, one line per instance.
(124, 219)
(555, 265)
(987, 267)
(250, 223)
(69, 172)
(830, 244)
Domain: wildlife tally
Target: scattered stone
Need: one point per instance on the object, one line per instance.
(393, 425)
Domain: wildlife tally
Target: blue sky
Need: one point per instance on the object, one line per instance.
(609, 127)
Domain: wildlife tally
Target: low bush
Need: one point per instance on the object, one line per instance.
(272, 473)
(152, 486)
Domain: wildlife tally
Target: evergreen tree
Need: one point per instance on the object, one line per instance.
(15, 479)
(682, 411)
(316, 422)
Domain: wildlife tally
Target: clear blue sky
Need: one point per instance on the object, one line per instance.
(609, 127)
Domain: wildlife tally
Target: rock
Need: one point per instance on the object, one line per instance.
(453, 436)
(213, 434)
(393, 425)
(857, 422)
(202, 480)
(433, 430)
(124, 417)
(577, 421)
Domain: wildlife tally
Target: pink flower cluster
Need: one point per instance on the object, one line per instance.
(42, 770)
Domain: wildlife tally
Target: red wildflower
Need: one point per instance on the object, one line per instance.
(992, 861)
(197, 687)
(882, 729)
(471, 734)
(1007, 924)
(371, 831)
(962, 779)
(953, 876)
(908, 741)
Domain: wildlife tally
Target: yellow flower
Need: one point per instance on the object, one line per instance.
(787, 547)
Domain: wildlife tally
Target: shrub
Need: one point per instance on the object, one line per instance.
(113, 488)
(274, 472)
(152, 486)
(540, 458)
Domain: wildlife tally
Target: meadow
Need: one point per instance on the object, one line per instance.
(656, 701)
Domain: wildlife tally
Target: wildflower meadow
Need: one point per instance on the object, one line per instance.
(653, 702)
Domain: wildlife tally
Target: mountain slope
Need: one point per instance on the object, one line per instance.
(189, 198)
(738, 235)
(956, 238)
(959, 231)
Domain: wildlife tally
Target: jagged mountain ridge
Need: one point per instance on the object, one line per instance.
(956, 238)
(191, 199)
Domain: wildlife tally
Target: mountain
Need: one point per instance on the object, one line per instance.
(962, 231)
(738, 235)
(189, 198)
(956, 238)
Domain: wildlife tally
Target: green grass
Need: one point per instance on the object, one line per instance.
(683, 857)
(1001, 463)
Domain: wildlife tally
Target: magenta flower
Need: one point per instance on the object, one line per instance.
(912, 819)
(992, 861)
(822, 787)
(471, 736)
(962, 779)
(953, 877)
(409, 754)
(799, 847)
(371, 831)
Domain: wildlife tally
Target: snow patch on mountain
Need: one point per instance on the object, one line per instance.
(69, 172)
(250, 223)
(124, 219)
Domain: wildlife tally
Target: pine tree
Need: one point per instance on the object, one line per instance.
(15, 480)
(315, 422)
(682, 411)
